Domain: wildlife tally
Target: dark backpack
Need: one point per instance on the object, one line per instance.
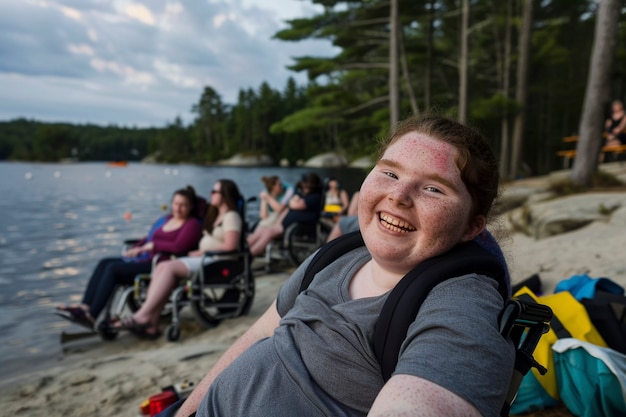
(406, 298)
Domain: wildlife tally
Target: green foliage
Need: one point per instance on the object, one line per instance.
(305, 119)
(493, 108)
(23, 139)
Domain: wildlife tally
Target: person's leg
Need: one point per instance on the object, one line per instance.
(162, 283)
(612, 140)
(254, 236)
(335, 232)
(117, 272)
(96, 276)
(353, 208)
(257, 247)
(90, 291)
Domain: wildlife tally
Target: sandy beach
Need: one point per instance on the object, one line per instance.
(99, 378)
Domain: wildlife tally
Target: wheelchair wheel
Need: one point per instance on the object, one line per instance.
(219, 304)
(304, 239)
(205, 308)
(301, 242)
(250, 297)
(173, 333)
(134, 303)
(106, 331)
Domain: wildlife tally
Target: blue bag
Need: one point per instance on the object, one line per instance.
(583, 286)
(591, 379)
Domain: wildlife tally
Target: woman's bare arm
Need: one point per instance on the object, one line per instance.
(407, 395)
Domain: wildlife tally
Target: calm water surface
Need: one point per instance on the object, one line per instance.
(58, 220)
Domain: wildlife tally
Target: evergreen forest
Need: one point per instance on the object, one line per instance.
(516, 69)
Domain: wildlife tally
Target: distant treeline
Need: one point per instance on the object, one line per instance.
(219, 131)
(31, 140)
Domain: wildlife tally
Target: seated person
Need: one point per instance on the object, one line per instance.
(221, 232)
(303, 207)
(349, 222)
(335, 200)
(274, 200)
(615, 125)
(311, 353)
(174, 233)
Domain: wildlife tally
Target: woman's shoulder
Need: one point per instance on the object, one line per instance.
(232, 213)
(233, 217)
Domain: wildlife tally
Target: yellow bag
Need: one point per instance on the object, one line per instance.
(573, 316)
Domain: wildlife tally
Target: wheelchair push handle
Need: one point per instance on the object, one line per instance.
(533, 312)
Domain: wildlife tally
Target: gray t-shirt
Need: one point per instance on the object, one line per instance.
(320, 361)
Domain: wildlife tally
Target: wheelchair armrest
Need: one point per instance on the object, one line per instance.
(237, 252)
(127, 244)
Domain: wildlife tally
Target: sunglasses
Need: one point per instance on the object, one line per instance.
(216, 192)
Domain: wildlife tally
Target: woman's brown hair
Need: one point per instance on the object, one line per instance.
(230, 197)
(270, 182)
(189, 193)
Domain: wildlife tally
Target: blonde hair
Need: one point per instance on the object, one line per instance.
(269, 181)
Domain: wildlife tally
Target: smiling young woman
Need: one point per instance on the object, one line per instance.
(311, 352)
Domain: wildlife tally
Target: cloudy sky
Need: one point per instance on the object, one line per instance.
(140, 62)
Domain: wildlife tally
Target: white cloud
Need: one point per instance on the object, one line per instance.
(71, 13)
(218, 20)
(81, 49)
(175, 74)
(135, 62)
(135, 11)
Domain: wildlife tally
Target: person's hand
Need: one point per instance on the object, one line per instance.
(196, 253)
(263, 195)
(132, 252)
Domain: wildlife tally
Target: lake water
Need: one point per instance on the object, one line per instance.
(58, 220)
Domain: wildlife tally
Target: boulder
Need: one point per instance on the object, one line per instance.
(239, 160)
(560, 215)
(364, 162)
(326, 160)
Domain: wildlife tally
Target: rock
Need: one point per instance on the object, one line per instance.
(326, 160)
(239, 160)
(364, 162)
(547, 218)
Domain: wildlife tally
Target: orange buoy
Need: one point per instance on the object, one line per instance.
(128, 215)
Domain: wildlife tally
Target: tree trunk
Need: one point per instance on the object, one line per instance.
(463, 63)
(506, 83)
(394, 102)
(406, 74)
(429, 56)
(521, 88)
(597, 93)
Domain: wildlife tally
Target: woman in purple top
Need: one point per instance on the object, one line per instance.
(176, 233)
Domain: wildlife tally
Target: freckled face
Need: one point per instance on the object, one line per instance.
(413, 205)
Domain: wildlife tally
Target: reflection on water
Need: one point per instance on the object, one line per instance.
(58, 220)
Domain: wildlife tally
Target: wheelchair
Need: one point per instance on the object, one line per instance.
(523, 322)
(297, 243)
(300, 239)
(223, 288)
